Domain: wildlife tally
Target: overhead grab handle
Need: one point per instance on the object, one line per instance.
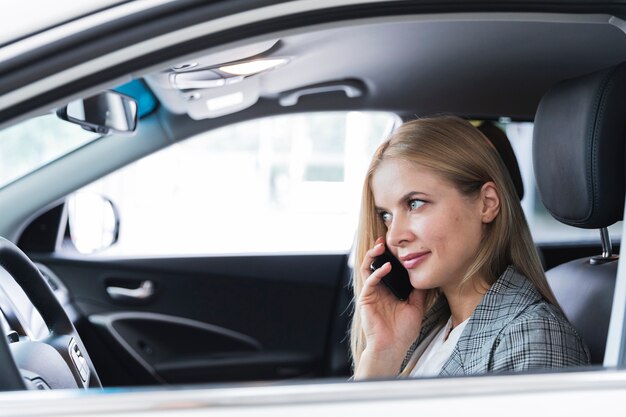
(352, 88)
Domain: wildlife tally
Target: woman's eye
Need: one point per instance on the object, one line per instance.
(386, 217)
(415, 204)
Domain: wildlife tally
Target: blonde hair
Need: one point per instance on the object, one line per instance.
(461, 154)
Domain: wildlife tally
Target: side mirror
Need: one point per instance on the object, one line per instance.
(104, 113)
(93, 222)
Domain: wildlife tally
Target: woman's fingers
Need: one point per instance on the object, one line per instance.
(378, 274)
(371, 292)
(377, 250)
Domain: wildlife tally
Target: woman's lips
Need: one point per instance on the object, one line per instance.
(411, 260)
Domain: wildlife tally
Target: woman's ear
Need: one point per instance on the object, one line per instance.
(490, 199)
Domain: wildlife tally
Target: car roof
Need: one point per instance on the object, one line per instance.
(480, 65)
(413, 58)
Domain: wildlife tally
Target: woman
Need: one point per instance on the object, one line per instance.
(439, 198)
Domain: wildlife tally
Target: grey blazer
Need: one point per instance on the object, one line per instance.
(512, 329)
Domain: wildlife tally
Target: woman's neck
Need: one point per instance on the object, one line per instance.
(464, 299)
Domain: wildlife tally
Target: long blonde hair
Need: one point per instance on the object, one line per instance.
(456, 150)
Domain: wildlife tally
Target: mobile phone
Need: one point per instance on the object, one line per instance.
(397, 280)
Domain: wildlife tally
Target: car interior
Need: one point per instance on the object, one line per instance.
(154, 319)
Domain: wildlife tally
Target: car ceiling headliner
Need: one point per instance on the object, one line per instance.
(479, 65)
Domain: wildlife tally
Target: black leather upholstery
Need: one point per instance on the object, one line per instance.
(578, 155)
(585, 293)
(502, 144)
(578, 149)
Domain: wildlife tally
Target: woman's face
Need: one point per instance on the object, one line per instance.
(432, 228)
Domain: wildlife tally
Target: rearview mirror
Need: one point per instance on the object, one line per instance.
(104, 113)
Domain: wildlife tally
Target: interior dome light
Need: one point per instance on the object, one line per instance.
(253, 67)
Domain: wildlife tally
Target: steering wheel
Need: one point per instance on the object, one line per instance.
(59, 360)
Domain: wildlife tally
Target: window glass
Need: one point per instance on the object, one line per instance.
(281, 184)
(35, 142)
(543, 226)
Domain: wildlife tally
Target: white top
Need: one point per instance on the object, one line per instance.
(439, 350)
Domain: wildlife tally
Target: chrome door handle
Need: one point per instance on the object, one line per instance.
(143, 292)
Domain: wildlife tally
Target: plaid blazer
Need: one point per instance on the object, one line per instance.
(512, 329)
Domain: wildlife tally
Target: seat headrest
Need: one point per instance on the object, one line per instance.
(502, 144)
(578, 148)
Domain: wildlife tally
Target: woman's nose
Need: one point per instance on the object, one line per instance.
(399, 231)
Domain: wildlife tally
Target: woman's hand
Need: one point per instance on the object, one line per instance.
(390, 325)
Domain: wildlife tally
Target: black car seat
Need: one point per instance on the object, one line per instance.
(578, 156)
(502, 144)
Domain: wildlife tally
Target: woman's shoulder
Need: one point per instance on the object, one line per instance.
(539, 337)
(543, 311)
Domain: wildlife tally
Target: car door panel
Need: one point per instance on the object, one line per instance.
(208, 319)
